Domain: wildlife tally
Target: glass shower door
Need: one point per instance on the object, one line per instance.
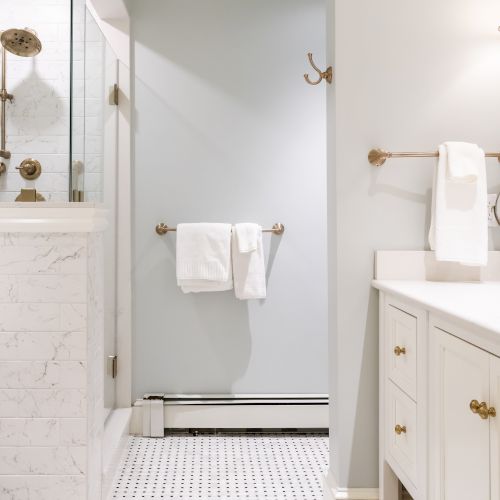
(94, 155)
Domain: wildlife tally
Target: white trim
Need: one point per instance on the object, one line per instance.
(64, 218)
(116, 431)
(333, 492)
(237, 416)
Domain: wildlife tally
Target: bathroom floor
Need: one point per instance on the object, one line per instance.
(223, 466)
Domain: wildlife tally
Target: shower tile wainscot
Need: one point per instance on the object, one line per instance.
(51, 368)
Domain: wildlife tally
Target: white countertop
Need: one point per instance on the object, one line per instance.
(477, 303)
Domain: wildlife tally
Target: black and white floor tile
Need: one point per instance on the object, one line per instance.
(223, 467)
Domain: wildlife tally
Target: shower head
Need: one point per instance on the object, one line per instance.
(21, 42)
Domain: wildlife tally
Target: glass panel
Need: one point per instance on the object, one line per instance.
(95, 116)
(77, 99)
(37, 120)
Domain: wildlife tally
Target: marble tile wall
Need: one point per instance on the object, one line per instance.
(51, 368)
(38, 121)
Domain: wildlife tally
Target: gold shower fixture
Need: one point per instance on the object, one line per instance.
(23, 43)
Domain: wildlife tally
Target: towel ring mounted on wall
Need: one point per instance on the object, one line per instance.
(323, 75)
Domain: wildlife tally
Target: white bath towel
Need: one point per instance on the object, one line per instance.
(459, 226)
(249, 267)
(203, 260)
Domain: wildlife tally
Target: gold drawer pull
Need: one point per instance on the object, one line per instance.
(482, 409)
(400, 429)
(399, 350)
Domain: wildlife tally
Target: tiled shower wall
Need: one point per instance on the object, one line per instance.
(89, 100)
(51, 371)
(38, 119)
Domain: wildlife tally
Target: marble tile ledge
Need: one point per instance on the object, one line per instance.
(52, 218)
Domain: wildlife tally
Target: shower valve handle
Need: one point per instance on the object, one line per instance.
(30, 169)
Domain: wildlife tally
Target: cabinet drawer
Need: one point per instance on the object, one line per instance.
(401, 349)
(401, 431)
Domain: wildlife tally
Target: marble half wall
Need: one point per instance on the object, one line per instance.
(51, 368)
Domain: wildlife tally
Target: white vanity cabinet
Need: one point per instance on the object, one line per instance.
(439, 395)
(463, 426)
(401, 424)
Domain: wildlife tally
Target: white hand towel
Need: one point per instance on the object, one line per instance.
(203, 260)
(249, 267)
(464, 161)
(459, 226)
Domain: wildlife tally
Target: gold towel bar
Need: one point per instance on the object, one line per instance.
(378, 157)
(278, 229)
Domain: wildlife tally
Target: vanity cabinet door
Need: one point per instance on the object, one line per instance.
(495, 427)
(459, 441)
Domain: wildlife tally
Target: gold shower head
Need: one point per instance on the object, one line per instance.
(21, 42)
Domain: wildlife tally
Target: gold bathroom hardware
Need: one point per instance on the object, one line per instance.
(399, 350)
(3, 168)
(113, 366)
(78, 196)
(4, 97)
(20, 42)
(114, 98)
(323, 75)
(482, 409)
(377, 157)
(30, 169)
(29, 194)
(277, 229)
(400, 429)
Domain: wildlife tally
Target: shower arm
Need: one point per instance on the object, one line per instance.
(4, 97)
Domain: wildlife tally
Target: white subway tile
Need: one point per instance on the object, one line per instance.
(43, 460)
(70, 288)
(43, 487)
(26, 346)
(43, 432)
(74, 317)
(31, 318)
(43, 259)
(72, 431)
(43, 375)
(37, 403)
(29, 432)
(8, 288)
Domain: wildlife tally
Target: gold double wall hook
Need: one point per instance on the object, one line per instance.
(323, 75)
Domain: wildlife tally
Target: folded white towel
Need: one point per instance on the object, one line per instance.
(203, 260)
(459, 226)
(464, 161)
(249, 268)
(247, 236)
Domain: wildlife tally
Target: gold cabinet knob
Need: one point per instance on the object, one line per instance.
(399, 350)
(482, 409)
(400, 429)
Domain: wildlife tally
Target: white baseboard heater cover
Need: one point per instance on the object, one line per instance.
(256, 411)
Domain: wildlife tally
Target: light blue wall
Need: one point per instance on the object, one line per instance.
(227, 130)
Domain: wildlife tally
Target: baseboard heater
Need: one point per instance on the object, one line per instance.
(158, 411)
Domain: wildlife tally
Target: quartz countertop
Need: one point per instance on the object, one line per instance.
(475, 303)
